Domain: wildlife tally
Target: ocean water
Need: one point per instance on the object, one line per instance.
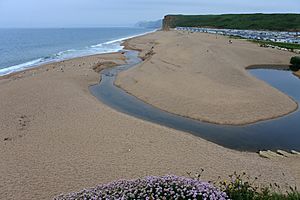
(26, 48)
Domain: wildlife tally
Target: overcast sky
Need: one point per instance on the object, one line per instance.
(91, 13)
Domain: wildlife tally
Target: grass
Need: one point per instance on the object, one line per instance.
(266, 43)
(262, 43)
(242, 187)
(278, 44)
(236, 37)
(275, 22)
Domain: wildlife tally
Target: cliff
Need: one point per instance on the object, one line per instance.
(273, 22)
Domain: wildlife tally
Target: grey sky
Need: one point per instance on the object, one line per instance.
(87, 13)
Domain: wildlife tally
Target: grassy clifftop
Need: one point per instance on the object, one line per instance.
(278, 22)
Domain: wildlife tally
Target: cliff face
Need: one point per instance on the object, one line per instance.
(167, 22)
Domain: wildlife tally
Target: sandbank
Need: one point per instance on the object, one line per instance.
(203, 76)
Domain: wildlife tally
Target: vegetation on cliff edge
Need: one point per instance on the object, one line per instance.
(276, 22)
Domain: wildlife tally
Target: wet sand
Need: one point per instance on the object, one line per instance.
(203, 77)
(55, 137)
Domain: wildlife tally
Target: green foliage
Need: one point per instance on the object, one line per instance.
(236, 37)
(295, 61)
(278, 44)
(241, 187)
(278, 22)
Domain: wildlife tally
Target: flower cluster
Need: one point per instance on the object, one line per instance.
(166, 187)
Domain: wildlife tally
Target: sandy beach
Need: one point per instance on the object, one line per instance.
(203, 77)
(56, 137)
(297, 73)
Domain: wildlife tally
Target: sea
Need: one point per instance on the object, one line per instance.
(22, 49)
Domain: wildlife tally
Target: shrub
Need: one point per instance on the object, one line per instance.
(295, 61)
(241, 187)
(166, 187)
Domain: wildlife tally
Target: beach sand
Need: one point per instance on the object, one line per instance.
(203, 77)
(297, 73)
(55, 138)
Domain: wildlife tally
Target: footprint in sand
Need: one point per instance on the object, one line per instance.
(22, 125)
(23, 122)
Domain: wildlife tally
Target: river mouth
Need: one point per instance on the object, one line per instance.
(281, 133)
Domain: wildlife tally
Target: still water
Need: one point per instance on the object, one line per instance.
(281, 133)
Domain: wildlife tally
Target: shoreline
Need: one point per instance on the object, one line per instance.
(42, 67)
(63, 139)
(29, 67)
(125, 44)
